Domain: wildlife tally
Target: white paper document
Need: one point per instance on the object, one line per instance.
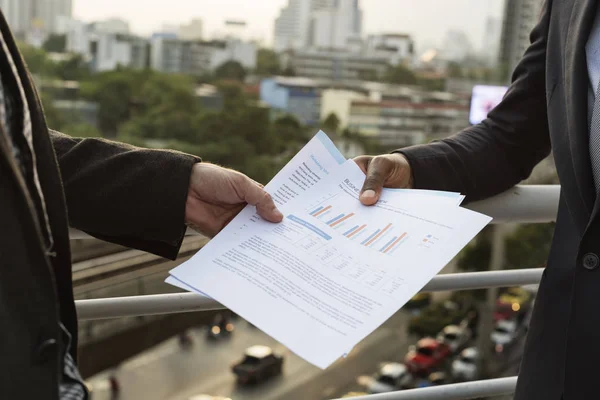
(317, 159)
(333, 270)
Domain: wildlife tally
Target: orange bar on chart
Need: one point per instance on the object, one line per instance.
(391, 246)
(341, 220)
(378, 235)
(322, 211)
(356, 231)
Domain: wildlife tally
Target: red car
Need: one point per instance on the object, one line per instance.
(427, 355)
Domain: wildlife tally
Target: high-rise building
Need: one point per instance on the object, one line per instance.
(491, 41)
(39, 17)
(292, 27)
(336, 27)
(456, 46)
(520, 16)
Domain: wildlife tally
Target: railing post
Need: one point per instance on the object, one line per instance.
(486, 318)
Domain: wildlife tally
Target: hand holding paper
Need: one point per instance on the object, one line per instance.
(333, 270)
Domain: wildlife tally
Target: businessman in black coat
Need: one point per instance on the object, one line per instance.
(135, 197)
(552, 105)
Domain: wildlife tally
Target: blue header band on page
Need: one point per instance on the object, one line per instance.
(310, 226)
(335, 153)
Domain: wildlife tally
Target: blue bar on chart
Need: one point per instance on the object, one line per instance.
(349, 231)
(335, 219)
(395, 244)
(388, 243)
(316, 210)
(309, 226)
(371, 236)
(320, 211)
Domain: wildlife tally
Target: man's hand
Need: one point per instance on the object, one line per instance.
(389, 170)
(218, 194)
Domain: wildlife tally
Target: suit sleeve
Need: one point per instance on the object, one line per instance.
(488, 158)
(124, 194)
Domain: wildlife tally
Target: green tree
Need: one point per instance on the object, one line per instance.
(288, 71)
(400, 74)
(288, 130)
(54, 118)
(528, 246)
(118, 94)
(55, 43)
(368, 75)
(331, 123)
(36, 59)
(233, 96)
(167, 109)
(267, 63)
(230, 70)
(81, 129)
(73, 69)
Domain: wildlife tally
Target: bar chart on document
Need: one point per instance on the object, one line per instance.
(385, 238)
(306, 237)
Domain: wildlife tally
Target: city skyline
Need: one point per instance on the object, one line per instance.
(427, 29)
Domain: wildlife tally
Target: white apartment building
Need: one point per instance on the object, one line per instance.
(114, 50)
(35, 17)
(292, 26)
(336, 27)
(104, 46)
(398, 47)
(173, 55)
(336, 65)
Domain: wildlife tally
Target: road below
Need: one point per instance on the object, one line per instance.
(169, 372)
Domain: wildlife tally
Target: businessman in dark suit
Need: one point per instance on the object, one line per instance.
(135, 197)
(553, 104)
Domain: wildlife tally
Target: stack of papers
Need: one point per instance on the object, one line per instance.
(333, 270)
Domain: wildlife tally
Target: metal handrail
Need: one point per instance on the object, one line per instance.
(455, 391)
(115, 307)
(522, 203)
(531, 204)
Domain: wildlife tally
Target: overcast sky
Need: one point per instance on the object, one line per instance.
(427, 20)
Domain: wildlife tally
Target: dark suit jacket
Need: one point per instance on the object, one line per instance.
(131, 196)
(544, 109)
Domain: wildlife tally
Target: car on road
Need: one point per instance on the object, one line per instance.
(434, 379)
(466, 366)
(432, 319)
(222, 327)
(455, 336)
(259, 364)
(392, 376)
(208, 397)
(427, 355)
(504, 334)
(514, 302)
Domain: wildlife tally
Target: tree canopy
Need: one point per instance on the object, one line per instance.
(267, 63)
(230, 70)
(400, 74)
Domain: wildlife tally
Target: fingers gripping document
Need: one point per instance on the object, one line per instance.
(333, 270)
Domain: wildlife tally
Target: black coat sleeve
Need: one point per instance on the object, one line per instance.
(123, 194)
(488, 158)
